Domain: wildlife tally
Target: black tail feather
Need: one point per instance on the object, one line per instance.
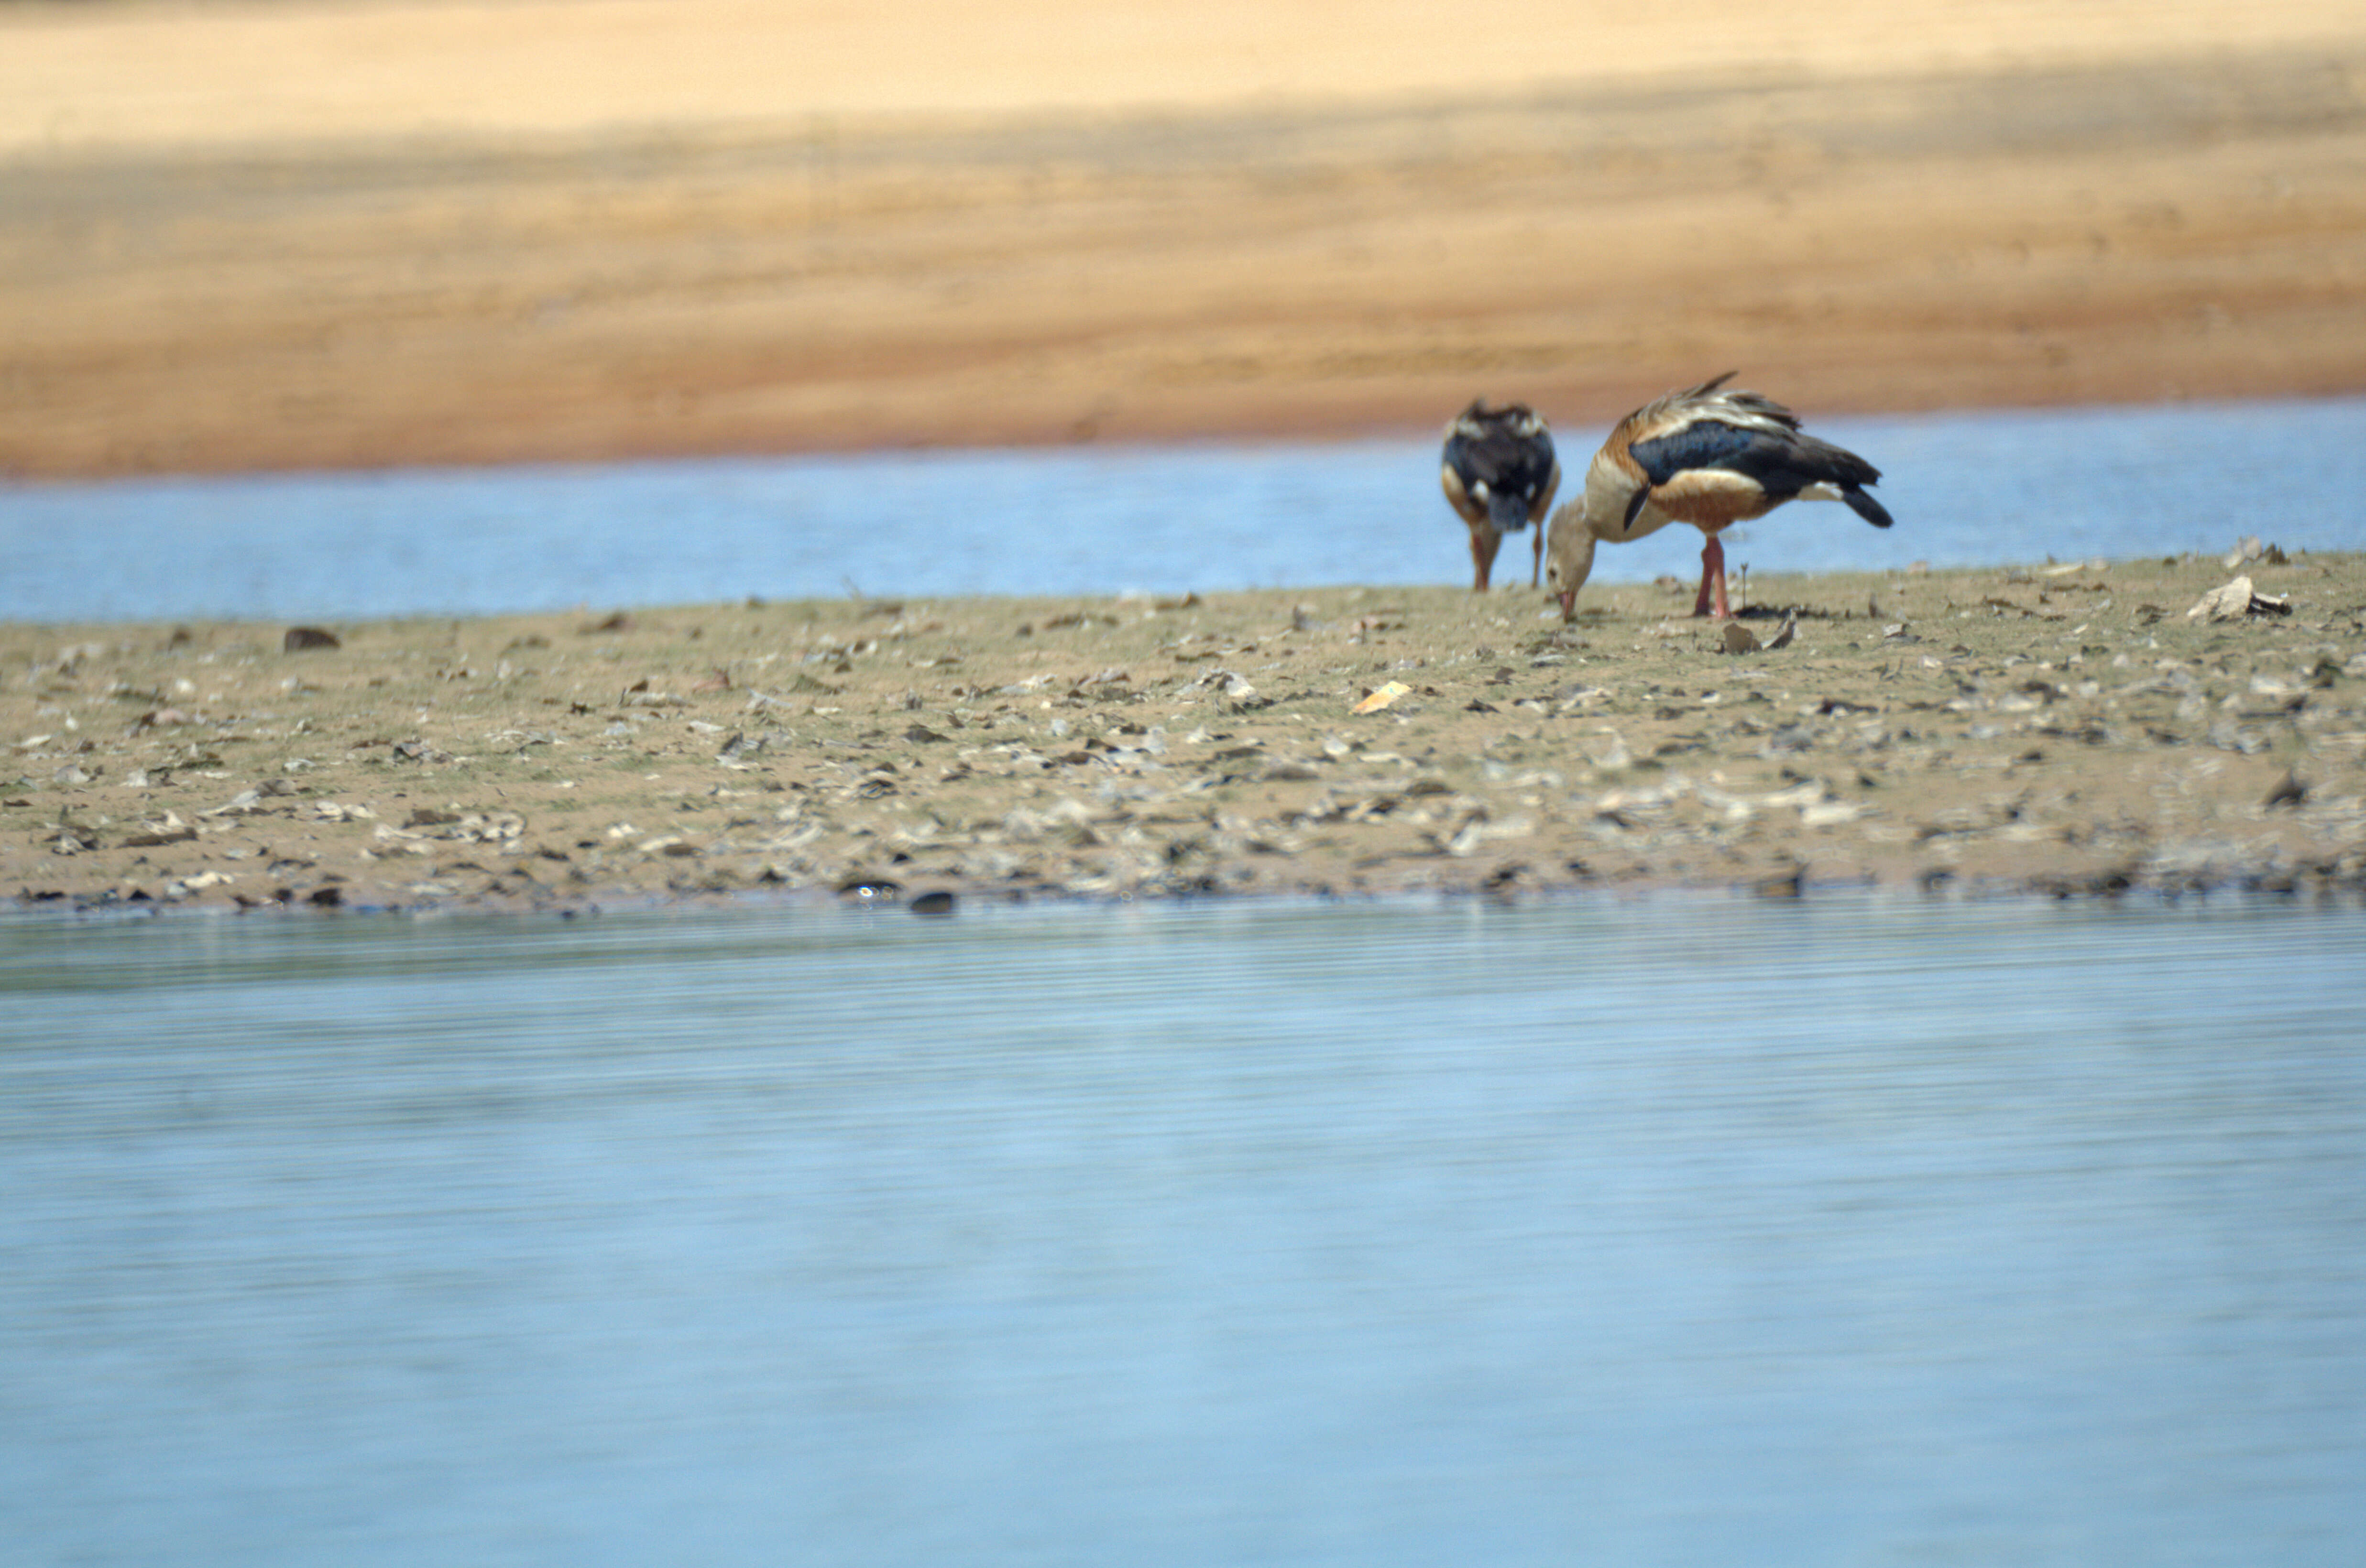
(1865, 507)
(1507, 512)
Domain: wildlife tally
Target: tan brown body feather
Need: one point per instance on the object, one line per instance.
(1708, 458)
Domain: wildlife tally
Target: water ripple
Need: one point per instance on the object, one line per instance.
(1689, 1230)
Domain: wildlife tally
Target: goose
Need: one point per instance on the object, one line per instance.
(1705, 456)
(1499, 475)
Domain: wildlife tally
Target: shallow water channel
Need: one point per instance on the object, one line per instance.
(2000, 487)
(1698, 1229)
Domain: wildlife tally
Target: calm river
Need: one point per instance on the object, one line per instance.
(1692, 1230)
(1967, 489)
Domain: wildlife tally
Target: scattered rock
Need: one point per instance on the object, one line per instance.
(2001, 753)
(2237, 601)
(72, 839)
(1231, 686)
(155, 834)
(2289, 791)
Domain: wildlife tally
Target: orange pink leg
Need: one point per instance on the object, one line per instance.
(1712, 583)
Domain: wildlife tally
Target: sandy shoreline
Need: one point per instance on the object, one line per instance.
(388, 267)
(2065, 730)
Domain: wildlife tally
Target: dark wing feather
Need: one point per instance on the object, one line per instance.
(1514, 469)
(1704, 443)
(1780, 463)
(1635, 505)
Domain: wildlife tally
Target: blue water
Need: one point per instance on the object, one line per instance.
(1688, 1230)
(1966, 489)
(1694, 1230)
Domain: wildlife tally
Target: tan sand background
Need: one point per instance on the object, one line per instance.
(240, 235)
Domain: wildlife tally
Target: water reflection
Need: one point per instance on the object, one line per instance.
(1689, 1231)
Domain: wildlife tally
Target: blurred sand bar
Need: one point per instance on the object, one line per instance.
(249, 235)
